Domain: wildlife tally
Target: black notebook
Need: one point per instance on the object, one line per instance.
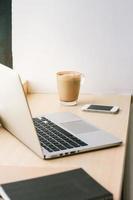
(71, 185)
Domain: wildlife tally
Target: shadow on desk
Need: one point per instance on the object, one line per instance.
(128, 176)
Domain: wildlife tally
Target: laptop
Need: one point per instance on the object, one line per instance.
(51, 135)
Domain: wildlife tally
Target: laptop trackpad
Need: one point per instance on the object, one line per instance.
(79, 126)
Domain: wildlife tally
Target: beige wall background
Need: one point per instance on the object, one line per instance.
(91, 36)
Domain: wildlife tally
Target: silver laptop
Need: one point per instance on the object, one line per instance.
(51, 135)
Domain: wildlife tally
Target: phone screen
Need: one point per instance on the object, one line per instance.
(100, 107)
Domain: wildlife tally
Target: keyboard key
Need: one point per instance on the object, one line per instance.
(53, 137)
(46, 147)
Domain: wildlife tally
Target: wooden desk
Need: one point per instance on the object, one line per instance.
(106, 166)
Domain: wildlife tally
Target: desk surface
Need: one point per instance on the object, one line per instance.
(106, 166)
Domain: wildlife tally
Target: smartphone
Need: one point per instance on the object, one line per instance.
(100, 108)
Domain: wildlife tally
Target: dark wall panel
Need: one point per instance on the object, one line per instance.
(5, 33)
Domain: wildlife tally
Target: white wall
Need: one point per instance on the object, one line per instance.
(91, 36)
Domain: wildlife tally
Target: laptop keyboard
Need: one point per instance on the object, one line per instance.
(54, 138)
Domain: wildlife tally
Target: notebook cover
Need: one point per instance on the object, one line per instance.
(71, 185)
